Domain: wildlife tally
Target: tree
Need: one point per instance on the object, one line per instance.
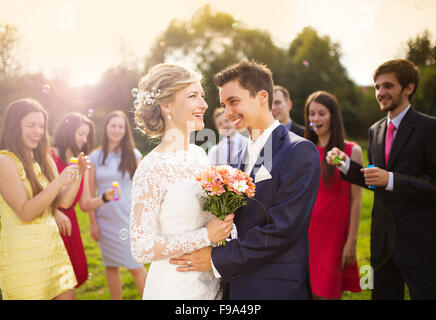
(9, 63)
(422, 52)
(211, 41)
(9, 40)
(316, 65)
(425, 96)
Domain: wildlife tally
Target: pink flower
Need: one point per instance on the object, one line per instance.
(212, 181)
(236, 186)
(216, 180)
(226, 173)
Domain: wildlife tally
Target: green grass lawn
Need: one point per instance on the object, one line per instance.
(95, 288)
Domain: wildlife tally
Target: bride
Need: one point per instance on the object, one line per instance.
(167, 219)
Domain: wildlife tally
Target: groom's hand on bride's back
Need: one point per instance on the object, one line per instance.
(218, 230)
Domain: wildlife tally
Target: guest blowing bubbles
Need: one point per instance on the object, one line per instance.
(335, 218)
(33, 261)
(115, 160)
(75, 134)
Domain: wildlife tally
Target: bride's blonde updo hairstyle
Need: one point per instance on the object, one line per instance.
(159, 86)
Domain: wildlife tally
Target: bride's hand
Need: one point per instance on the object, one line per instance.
(218, 230)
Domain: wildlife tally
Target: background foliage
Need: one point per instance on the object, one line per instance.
(208, 42)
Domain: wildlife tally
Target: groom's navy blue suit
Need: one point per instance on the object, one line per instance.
(269, 260)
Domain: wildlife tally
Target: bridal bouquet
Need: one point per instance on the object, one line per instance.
(227, 189)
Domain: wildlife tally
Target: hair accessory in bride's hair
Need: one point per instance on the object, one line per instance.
(145, 97)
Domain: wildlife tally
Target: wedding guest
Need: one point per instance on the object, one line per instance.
(281, 108)
(115, 160)
(230, 147)
(335, 218)
(402, 150)
(34, 263)
(75, 134)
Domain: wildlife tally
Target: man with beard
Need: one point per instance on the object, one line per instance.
(402, 150)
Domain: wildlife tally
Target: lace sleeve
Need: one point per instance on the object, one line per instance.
(147, 242)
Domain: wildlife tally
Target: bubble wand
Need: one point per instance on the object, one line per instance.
(75, 173)
(115, 188)
(338, 161)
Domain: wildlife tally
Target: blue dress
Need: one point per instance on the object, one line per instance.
(113, 218)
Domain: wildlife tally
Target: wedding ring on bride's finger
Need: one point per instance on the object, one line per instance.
(189, 263)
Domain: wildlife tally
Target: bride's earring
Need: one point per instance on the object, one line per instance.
(169, 116)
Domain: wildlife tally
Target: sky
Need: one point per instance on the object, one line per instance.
(85, 36)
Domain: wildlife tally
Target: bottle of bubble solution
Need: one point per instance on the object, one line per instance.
(371, 187)
(74, 160)
(115, 187)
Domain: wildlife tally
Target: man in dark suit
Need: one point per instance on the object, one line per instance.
(229, 148)
(281, 108)
(402, 149)
(269, 258)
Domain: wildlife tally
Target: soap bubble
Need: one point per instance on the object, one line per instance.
(134, 92)
(311, 126)
(124, 234)
(90, 113)
(46, 88)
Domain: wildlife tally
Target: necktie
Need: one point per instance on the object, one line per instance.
(228, 150)
(389, 139)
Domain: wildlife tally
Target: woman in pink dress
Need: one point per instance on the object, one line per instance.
(335, 218)
(75, 134)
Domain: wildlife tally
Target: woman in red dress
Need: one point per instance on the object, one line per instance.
(335, 218)
(75, 134)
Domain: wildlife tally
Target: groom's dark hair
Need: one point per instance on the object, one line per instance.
(251, 75)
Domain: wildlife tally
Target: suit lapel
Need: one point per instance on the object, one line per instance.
(242, 161)
(272, 145)
(402, 136)
(289, 126)
(379, 159)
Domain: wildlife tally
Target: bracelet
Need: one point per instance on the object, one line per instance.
(103, 197)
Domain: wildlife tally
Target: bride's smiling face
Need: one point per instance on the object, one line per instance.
(188, 107)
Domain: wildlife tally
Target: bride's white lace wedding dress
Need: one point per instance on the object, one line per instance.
(167, 221)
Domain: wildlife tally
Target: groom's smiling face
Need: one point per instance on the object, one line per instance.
(242, 109)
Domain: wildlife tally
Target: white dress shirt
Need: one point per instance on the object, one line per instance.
(255, 147)
(218, 154)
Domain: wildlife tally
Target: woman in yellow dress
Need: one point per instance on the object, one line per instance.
(34, 263)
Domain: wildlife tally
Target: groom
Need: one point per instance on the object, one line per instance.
(269, 259)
